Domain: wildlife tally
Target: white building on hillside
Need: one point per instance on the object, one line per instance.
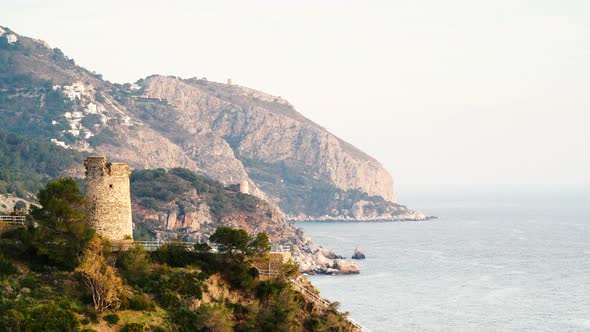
(70, 93)
(91, 108)
(59, 143)
(74, 132)
(75, 90)
(11, 38)
(87, 133)
(126, 121)
(2, 32)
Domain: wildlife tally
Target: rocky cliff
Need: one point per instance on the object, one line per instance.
(267, 129)
(177, 203)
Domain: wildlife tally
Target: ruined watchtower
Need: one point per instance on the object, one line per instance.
(244, 187)
(108, 198)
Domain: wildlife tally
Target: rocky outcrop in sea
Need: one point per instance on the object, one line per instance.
(358, 254)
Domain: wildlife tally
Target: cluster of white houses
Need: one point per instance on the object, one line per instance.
(83, 94)
(76, 90)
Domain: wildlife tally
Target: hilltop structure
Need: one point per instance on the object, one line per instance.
(11, 38)
(108, 198)
(244, 187)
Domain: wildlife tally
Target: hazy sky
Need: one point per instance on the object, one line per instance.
(443, 93)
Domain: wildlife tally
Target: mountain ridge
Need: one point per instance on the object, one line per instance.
(227, 132)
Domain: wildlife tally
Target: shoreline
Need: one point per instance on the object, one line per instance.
(352, 220)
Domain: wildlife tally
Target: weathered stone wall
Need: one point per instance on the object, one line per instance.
(108, 198)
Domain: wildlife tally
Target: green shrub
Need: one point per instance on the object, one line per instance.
(188, 284)
(11, 320)
(201, 248)
(150, 203)
(187, 320)
(112, 319)
(69, 303)
(6, 267)
(266, 289)
(140, 302)
(31, 281)
(312, 324)
(91, 314)
(279, 314)
(174, 254)
(241, 276)
(169, 300)
(134, 327)
(51, 317)
(134, 265)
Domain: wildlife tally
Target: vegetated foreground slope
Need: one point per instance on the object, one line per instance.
(226, 132)
(56, 274)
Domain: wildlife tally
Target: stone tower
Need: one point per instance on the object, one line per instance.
(108, 198)
(244, 187)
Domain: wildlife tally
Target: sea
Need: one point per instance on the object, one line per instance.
(492, 261)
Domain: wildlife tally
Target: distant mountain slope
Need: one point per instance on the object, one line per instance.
(268, 129)
(27, 164)
(227, 132)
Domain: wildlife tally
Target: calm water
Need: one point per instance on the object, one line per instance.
(489, 263)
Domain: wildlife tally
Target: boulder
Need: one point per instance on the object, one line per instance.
(358, 254)
(345, 267)
(328, 253)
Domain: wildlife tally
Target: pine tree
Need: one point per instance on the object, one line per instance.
(62, 232)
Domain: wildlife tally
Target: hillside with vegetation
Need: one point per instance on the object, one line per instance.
(179, 204)
(28, 164)
(304, 196)
(60, 276)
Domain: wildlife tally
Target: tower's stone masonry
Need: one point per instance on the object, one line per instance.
(108, 198)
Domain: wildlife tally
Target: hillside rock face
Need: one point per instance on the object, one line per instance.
(233, 132)
(268, 129)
